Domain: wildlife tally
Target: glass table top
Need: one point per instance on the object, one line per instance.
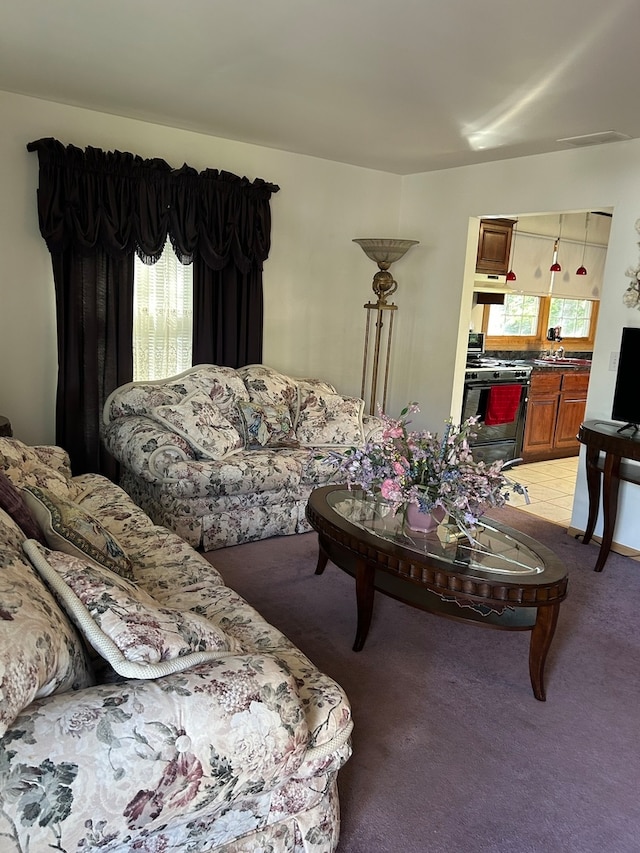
(493, 551)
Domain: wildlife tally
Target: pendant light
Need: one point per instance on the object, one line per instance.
(555, 266)
(582, 270)
(511, 276)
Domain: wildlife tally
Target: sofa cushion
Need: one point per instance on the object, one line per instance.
(245, 473)
(308, 388)
(137, 635)
(267, 386)
(13, 503)
(202, 424)
(70, 528)
(40, 651)
(35, 466)
(330, 420)
(266, 425)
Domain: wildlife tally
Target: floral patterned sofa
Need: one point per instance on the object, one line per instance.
(145, 706)
(224, 456)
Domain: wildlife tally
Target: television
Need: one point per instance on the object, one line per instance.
(626, 396)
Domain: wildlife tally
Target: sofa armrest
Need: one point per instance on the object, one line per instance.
(372, 427)
(145, 447)
(146, 750)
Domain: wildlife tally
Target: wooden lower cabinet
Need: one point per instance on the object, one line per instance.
(556, 407)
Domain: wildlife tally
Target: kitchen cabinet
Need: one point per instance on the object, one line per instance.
(556, 407)
(494, 246)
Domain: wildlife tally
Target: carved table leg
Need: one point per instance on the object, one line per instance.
(593, 486)
(610, 491)
(541, 636)
(365, 591)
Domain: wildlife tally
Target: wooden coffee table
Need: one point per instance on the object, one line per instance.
(506, 581)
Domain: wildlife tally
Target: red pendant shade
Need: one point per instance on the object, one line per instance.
(582, 270)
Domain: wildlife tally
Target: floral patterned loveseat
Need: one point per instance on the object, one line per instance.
(224, 456)
(222, 736)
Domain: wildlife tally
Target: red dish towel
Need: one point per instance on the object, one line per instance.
(502, 404)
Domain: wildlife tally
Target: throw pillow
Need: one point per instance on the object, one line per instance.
(69, 528)
(41, 653)
(267, 386)
(14, 505)
(267, 426)
(131, 630)
(329, 420)
(202, 424)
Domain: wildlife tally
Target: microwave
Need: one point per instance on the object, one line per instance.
(475, 345)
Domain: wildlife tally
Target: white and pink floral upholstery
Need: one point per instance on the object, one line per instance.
(235, 754)
(249, 490)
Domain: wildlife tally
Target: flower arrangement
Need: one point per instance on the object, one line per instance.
(631, 296)
(409, 467)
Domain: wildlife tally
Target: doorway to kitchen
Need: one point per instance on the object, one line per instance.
(539, 301)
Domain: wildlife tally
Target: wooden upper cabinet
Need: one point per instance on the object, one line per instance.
(494, 246)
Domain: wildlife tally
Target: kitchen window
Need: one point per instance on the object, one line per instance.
(522, 322)
(573, 316)
(518, 316)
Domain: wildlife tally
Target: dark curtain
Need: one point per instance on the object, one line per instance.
(95, 210)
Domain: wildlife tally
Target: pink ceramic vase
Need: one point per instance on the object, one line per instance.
(424, 522)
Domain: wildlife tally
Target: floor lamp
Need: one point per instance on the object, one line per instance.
(384, 252)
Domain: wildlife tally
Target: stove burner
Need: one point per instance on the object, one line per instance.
(495, 362)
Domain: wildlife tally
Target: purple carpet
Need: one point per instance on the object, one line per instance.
(451, 751)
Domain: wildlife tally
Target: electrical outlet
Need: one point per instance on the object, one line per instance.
(613, 360)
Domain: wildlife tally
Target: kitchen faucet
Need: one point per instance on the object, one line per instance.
(559, 353)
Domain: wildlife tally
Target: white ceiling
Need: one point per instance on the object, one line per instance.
(403, 86)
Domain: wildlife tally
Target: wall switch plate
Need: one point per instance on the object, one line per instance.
(613, 360)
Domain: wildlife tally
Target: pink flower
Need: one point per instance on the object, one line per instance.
(392, 431)
(398, 468)
(390, 491)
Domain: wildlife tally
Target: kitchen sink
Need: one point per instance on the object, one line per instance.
(563, 362)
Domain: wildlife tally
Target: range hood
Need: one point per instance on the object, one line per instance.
(491, 283)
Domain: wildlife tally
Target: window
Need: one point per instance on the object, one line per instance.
(162, 317)
(521, 323)
(517, 317)
(572, 315)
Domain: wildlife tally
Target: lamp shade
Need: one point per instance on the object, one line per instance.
(384, 251)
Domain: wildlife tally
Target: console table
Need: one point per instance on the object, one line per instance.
(602, 437)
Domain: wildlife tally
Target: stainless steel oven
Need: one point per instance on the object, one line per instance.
(487, 381)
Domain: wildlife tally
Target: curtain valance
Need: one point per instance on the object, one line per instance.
(123, 203)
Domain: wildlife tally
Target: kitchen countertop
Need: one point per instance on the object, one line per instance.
(561, 368)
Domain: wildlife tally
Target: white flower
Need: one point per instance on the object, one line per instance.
(631, 298)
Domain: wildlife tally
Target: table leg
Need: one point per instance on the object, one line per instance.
(593, 487)
(541, 636)
(365, 591)
(611, 488)
(323, 559)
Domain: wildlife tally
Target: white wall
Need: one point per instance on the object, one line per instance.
(439, 204)
(316, 280)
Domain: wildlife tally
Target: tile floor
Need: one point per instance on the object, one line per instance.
(551, 486)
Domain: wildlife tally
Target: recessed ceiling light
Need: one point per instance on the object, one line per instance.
(595, 138)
